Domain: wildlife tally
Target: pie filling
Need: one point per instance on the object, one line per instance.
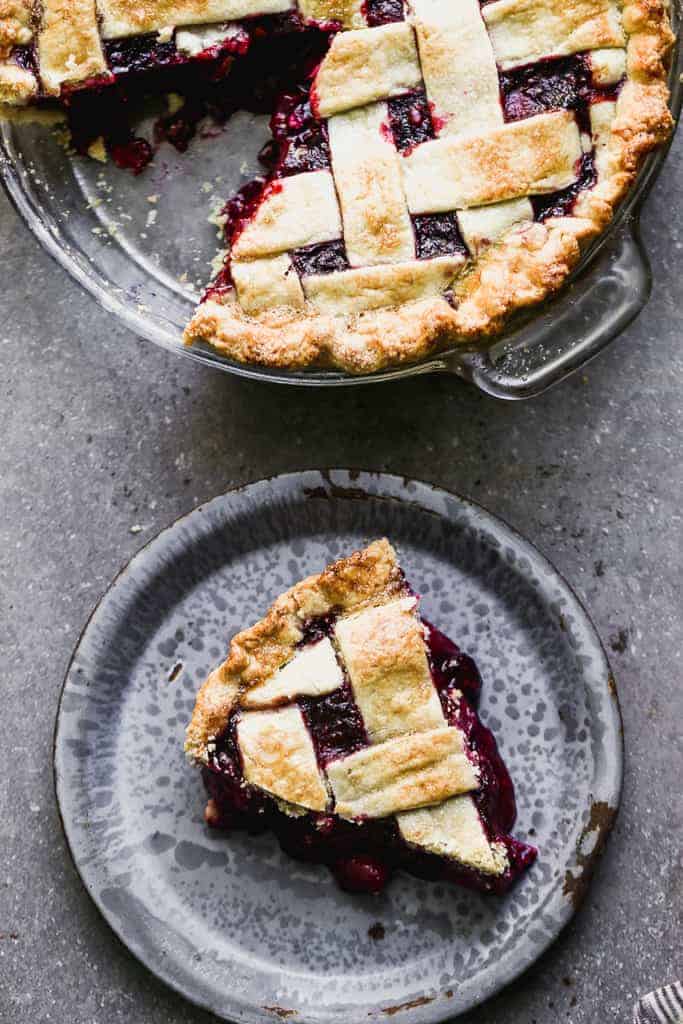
(363, 851)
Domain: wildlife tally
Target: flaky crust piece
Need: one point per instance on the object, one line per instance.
(368, 577)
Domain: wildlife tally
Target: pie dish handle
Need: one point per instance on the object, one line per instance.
(599, 303)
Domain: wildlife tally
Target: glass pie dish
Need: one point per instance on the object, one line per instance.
(129, 241)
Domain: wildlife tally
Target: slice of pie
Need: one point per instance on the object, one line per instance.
(435, 165)
(346, 724)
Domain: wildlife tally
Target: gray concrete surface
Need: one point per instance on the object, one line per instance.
(101, 432)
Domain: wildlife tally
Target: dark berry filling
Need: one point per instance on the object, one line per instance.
(25, 56)
(269, 56)
(361, 857)
(317, 628)
(362, 874)
(562, 83)
(335, 724)
(381, 12)
(410, 120)
(437, 234)
(133, 155)
(363, 854)
(299, 140)
(306, 151)
(138, 54)
(237, 805)
(561, 204)
(449, 664)
(320, 259)
(180, 127)
(456, 676)
(241, 207)
(496, 799)
(102, 110)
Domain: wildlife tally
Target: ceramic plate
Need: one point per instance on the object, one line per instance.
(231, 922)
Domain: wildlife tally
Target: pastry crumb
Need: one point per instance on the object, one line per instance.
(97, 150)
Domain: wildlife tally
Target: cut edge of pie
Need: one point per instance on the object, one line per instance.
(346, 724)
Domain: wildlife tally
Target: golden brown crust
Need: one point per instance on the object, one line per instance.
(347, 13)
(518, 272)
(413, 770)
(15, 25)
(363, 66)
(524, 31)
(359, 344)
(367, 577)
(17, 86)
(524, 267)
(454, 829)
(370, 191)
(133, 17)
(278, 757)
(527, 157)
(48, 116)
(69, 48)
(383, 650)
(312, 672)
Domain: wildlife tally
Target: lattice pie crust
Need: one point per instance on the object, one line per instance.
(437, 238)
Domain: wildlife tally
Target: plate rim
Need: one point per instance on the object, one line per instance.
(352, 486)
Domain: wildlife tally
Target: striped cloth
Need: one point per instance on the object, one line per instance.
(663, 1006)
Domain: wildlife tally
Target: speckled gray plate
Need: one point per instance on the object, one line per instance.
(231, 922)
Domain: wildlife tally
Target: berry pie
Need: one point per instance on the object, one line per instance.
(347, 725)
(435, 165)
